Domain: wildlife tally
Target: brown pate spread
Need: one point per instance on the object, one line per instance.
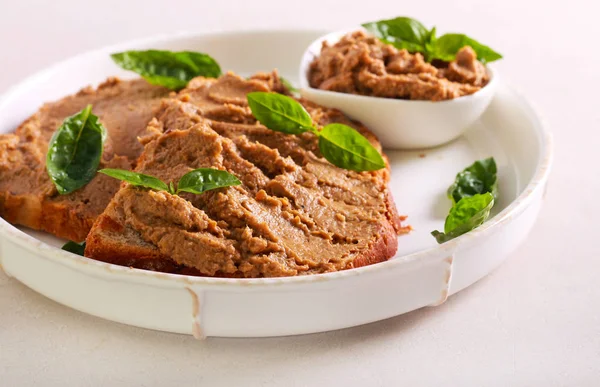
(361, 64)
(295, 213)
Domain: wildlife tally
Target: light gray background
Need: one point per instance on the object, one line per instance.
(534, 322)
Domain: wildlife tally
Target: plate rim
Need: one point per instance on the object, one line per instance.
(518, 205)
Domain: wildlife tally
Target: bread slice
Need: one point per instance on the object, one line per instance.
(294, 213)
(28, 197)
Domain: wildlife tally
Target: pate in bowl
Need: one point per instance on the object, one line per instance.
(406, 101)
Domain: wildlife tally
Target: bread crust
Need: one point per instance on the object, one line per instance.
(381, 249)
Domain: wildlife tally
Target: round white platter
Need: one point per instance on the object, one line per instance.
(422, 274)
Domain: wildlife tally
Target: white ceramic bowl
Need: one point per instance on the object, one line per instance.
(400, 124)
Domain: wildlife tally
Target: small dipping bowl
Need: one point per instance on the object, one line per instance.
(400, 124)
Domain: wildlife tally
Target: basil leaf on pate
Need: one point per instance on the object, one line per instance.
(137, 179)
(401, 32)
(446, 47)
(197, 181)
(279, 112)
(75, 150)
(410, 34)
(205, 179)
(344, 147)
(340, 144)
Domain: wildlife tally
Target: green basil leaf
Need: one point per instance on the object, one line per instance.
(402, 32)
(137, 179)
(288, 85)
(448, 45)
(204, 179)
(279, 112)
(478, 178)
(431, 36)
(346, 148)
(430, 43)
(167, 68)
(467, 214)
(75, 150)
(74, 247)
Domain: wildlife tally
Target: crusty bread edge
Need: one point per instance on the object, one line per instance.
(103, 244)
(37, 213)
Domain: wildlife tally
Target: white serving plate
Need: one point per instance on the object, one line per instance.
(422, 274)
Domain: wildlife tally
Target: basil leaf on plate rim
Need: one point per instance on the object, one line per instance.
(412, 35)
(75, 150)
(170, 69)
(478, 178)
(473, 194)
(340, 144)
(469, 213)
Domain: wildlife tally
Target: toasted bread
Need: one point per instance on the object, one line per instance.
(294, 213)
(28, 197)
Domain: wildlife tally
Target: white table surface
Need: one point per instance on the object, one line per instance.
(534, 322)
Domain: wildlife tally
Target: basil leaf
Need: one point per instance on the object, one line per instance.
(166, 68)
(340, 144)
(196, 181)
(410, 34)
(467, 214)
(75, 150)
(204, 179)
(432, 36)
(74, 247)
(478, 178)
(279, 112)
(346, 148)
(430, 43)
(448, 45)
(137, 179)
(288, 85)
(402, 32)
